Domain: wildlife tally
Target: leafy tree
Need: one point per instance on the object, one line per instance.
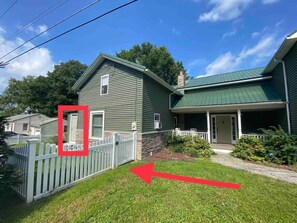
(42, 94)
(8, 174)
(158, 59)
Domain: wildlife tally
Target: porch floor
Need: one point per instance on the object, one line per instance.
(222, 148)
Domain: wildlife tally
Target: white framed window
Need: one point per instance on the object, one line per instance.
(104, 84)
(157, 121)
(157, 117)
(96, 128)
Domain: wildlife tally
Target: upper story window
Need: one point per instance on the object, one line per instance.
(104, 84)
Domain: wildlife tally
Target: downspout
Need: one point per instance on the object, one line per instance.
(287, 94)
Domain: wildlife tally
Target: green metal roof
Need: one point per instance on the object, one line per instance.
(225, 77)
(236, 94)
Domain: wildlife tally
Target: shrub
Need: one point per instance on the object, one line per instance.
(280, 146)
(9, 176)
(193, 146)
(249, 148)
(197, 147)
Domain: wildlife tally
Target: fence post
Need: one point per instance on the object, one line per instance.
(134, 145)
(30, 169)
(113, 150)
(18, 139)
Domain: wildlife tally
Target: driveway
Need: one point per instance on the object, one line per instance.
(281, 174)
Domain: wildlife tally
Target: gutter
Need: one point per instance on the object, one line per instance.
(286, 91)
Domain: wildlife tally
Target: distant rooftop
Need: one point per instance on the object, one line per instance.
(225, 77)
(18, 117)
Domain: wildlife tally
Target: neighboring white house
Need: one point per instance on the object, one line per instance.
(25, 123)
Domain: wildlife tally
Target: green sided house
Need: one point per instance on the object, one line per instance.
(123, 97)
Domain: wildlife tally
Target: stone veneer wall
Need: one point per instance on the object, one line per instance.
(148, 144)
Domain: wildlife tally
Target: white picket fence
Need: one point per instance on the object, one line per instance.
(203, 135)
(44, 172)
(20, 139)
(258, 136)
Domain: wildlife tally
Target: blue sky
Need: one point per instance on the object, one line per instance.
(208, 36)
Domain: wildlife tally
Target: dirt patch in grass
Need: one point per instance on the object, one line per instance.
(166, 154)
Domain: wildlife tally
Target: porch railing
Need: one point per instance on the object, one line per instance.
(203, 135)
(258, 136)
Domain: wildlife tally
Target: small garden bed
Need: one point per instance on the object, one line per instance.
(166, 154)
(192, 146)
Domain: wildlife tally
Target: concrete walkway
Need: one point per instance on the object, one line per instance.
(281, 174)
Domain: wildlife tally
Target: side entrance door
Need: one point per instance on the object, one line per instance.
(73, 128)
(223, 129)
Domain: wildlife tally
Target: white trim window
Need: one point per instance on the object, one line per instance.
(96, 128)
(104, 84)
(157, 121)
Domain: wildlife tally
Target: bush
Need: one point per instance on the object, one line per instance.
(280, 146)
(249, 148)
(277, 147)
(9, 176)
(193, 146)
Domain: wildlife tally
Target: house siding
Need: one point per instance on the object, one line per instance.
(291, 68)
(123, 103)
(50, 128)
(278, 80)
(156, 100)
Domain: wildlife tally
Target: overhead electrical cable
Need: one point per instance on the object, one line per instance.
(3, 14)
(74, 28)
(53, 26)
(36, 19)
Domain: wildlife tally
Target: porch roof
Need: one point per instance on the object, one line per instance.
(230, 95)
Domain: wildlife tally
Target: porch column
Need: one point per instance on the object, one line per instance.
(239, 123)
(208, 126)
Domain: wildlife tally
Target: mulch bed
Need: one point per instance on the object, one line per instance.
(166, 154)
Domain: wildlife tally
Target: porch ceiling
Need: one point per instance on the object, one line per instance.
(258, 95)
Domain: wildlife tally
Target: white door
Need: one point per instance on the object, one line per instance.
(73, 128)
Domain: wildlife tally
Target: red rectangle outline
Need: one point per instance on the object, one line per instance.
(85, 109)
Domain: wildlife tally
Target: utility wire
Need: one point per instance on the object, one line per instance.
(53, 26)
(74, 28)
(3, 14)
(36, 19)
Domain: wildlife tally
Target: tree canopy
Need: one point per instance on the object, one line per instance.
(158, 59)
(42, 94)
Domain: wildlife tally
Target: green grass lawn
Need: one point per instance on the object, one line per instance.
(119, 196)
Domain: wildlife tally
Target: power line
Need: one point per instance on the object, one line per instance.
(53, 26)
(74, 28)
(1, 16)
(36, 19)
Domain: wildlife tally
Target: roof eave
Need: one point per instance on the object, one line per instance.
(284, 48)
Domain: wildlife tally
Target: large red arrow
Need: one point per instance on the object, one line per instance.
(146, 173)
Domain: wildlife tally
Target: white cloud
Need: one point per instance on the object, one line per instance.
(261, 51)
(38, 29)
(269, 1)
(37, 62)
(223, 63)
(224, 10)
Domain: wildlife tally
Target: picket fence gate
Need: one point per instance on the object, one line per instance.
(43, 172)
